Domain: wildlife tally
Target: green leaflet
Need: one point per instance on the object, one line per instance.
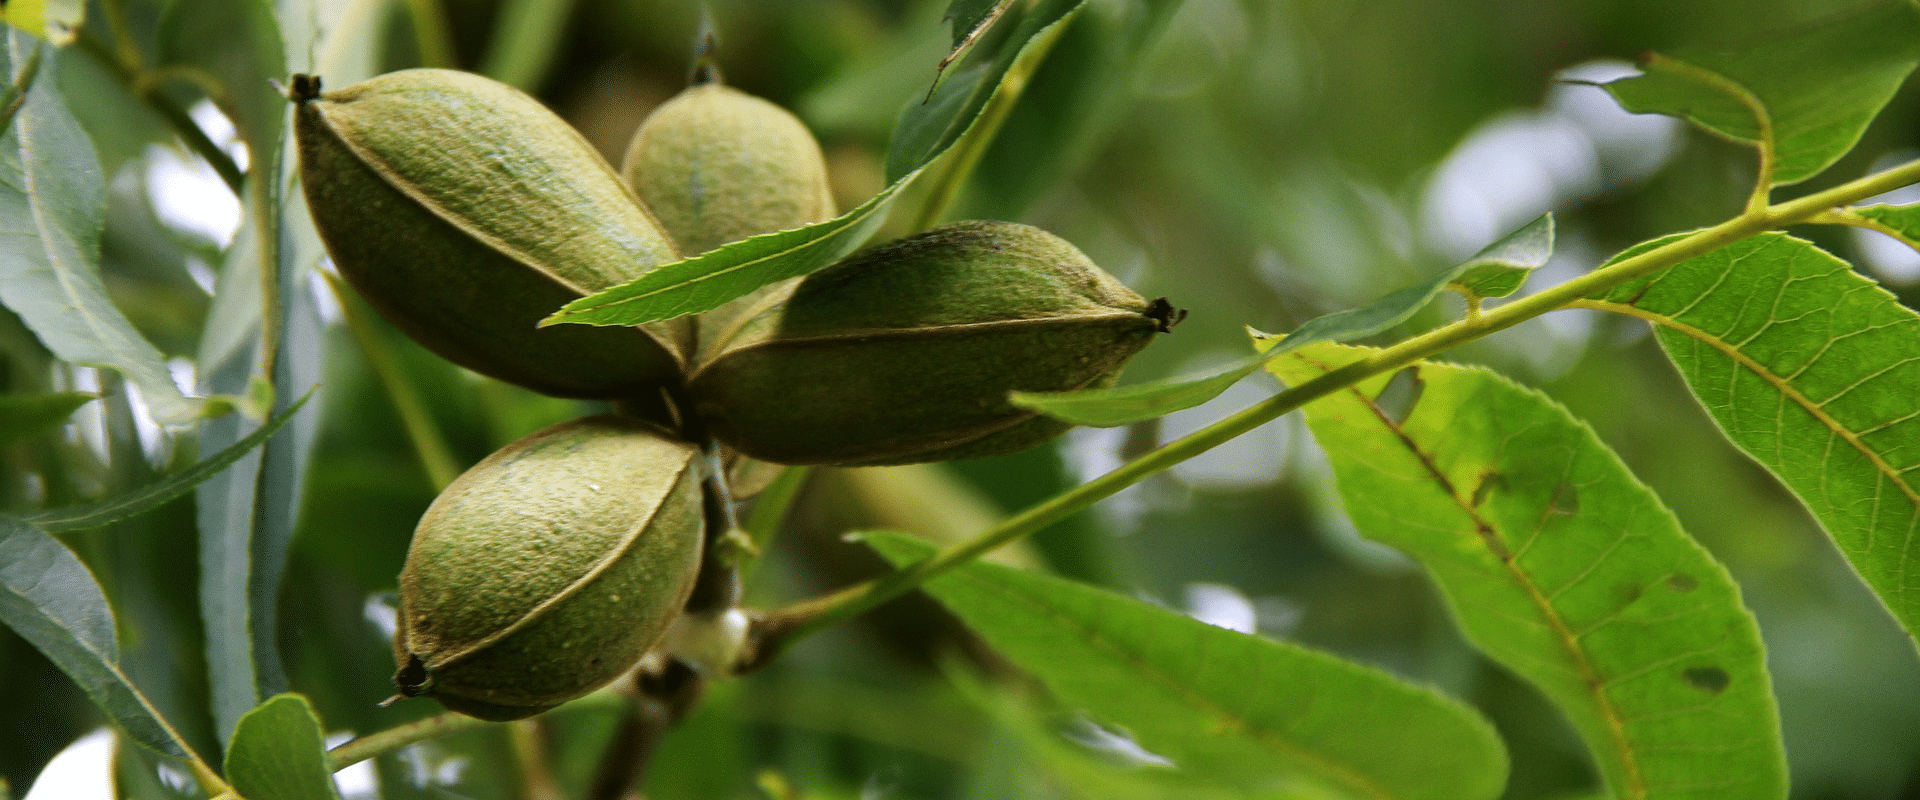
(1900, 222)
(278, 753)
(245, 511)
(53, 20)
(1253, 712)
(50, 599)
(969, 16)
(970, 19)
(52, 212)
(1562, 566)
(707, 281)
(146, 498)
(1813, 371)
(1818, 86)
(1496, 271)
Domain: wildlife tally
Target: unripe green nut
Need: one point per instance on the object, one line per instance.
(549, 568)
(466, 212)
(906, 352)
(716, 165)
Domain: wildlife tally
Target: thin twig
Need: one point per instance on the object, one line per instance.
(398, 737)
(779, 630)
(136, 81)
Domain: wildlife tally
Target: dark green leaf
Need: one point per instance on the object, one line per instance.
(925, 126)
(706, 281)
(1813, 371)
(969, 16)
(1503, 264)
(149, 497)
(1818, 86)
(279, 753)
(25, 415)
(1242, 708)
(970, 19)
(50, 599)
(1562, 566)
(52, 202)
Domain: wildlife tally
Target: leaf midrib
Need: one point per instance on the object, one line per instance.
(1616, 725)
(1783, 385)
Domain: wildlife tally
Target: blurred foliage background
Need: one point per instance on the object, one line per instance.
(1257, 161)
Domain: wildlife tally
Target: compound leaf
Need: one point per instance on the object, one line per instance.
(1814, 371)
(1560, 565)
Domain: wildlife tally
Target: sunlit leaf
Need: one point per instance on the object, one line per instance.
(53, 20)
(1495, 271)
(1818, 85)
(704, 282)
(1243, 708)
(50, 599)
(279, 752)
(1562, 566)
(146, 498)
(23, 415)
(1900, 222)
(52, 206)
(1814, 371)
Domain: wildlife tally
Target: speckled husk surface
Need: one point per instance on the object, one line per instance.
(549, 568)
(466, 212)
(906, 352)
(715, 165)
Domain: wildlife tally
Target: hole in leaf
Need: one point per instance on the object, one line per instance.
(1707, 679)
(1682, 582)
(1396, 400)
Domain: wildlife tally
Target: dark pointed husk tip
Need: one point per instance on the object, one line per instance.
(412, 679)
(1163, 313)
(303, 88)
